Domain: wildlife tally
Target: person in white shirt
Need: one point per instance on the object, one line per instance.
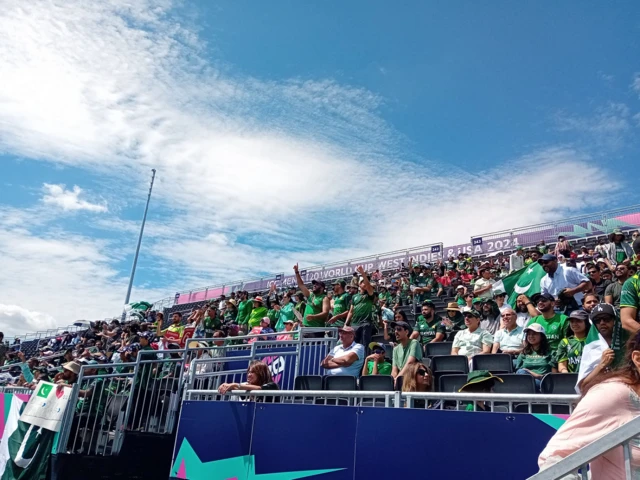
(473, 340)
(483, 287)
(563, 282)
(509, 339)
(516, 259)
(500, 298)
(347, 357)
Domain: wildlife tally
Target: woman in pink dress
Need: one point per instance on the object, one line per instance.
(610, 400)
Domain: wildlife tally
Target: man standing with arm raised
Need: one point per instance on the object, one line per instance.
(318, 304)
(360, 314)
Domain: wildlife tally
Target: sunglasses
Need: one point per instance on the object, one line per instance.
(592, 272)
(422, 373)
(398, 329)
(601, 319)
(544, 262)
(378, 351)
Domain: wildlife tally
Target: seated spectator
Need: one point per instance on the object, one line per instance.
(468, 301)
(454, 320)
(473, 340)
(347, 357)
(537, 358)
(174, 333)
(490, 317)
(429, 327)
(563, 282)
(376, 363)
(406, 351)
(569, 351)
(510, 338)
(230, 311)
(386, 313)
(500, 298)
(289, 326)
(389, 333)
(264, 327)
(556, 325)
(418, 378)
(479, 381)
(460, 295)
(68, 375)
(258, 378)
(599, 283)
(589, 302)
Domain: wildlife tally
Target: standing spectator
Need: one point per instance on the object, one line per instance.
(516, 259)
(617, 251)
(563, 247)
(285, 312)
(3, 349)
(569, 353)
(318, 304)
(483, 287)
(258, 312)
(231, 311)
(555, 325)
(360, 313)
(537, 357)
(473, 340)
(614, 290)
(509, 339)
(565, 283)
(376, 363)
(376, 276)
(347, 357)
(244, 310)
(423, 285)
(542, 247)
(406, 351)
(429, 328)
(630, 304)
(599, 283)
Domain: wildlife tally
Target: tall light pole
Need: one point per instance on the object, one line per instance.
(135, 258)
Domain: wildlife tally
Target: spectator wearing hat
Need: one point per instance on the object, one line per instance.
(258, 312)
(289, 326)
(341, 302)
(419, 378)
(454, 319)
(429, 328)
(461, 291)
(473, 340)
(317, 306)
(563, 282)
(508, 339)
(406, 351)
(542, 311)
(231, 311)
(537, 358)
(264, 327)
(423, 284)
(484, 285)
(630, 304)
(69, 374)
(569, 351)
(376, 363)
(360, 315)
(245, 305)
(347, 357)
(516, 259)
(617, 250)
(479, 381)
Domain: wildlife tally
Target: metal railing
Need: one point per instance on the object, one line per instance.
(578, 462)
(494, 402)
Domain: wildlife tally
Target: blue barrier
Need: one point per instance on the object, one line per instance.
(243, 440)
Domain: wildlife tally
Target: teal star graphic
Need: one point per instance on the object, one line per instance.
(189, 466)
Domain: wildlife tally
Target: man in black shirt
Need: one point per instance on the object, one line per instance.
(599, 284)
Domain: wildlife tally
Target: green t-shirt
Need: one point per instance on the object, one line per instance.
(541, 364)
(384, 368)
(244, 310)
(341, 304)
(362, 309)
(630, 295)
(385, 296)
(423, 282)
(286, 313)
(555, 328)
(428, 331)
(313, 307)
(94, 404)
(256, 315)
(230, 315)
(570, 351)
(621, 255)
(401, 354)
(210, 325)
(274, 316)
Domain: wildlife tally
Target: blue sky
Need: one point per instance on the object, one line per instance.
(293, 131)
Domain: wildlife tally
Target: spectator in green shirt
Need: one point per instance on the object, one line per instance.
(376, 363)
(556, 325)
(429, 327)
(407, 350)
(537, 358)
(569, 351)
(244, 310)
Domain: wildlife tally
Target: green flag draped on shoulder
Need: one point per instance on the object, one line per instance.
(525, 281)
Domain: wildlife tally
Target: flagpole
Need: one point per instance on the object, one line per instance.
(135, 258)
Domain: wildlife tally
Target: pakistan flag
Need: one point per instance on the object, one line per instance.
(525, 281)
(25, 448)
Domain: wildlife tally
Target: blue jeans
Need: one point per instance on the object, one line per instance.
(522, 371)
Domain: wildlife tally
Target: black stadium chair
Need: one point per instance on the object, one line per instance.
(438, 348)
(559, 383)
(340, 382)
(514, 383)
(399, 384)
(308, 382)
(377, 383)
(450, 363)
(496, 363)
(451, 383)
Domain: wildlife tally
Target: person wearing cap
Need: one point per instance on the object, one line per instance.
(617, 250)
(317, 306)
(483, 288)
(563, 282)
(461, 291)
(516, 259)
(473, 340)
(341, 303)
(423, 285)
(541, 307)
(406, 351)
(173, 333)
(508, 339)
(454, 319)
(258, 312)
(569, 351)
(429, 328)
(347, 357)
(479, 381)
(376, 363)
(289, 326)
(245, 305)
(360, 314)
(537, 358)
(231, 311)
(630, 304)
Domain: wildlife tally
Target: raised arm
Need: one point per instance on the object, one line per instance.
(301, 286)
(367, 286)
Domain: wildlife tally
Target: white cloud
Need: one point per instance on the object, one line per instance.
(607, 127)
(69, 200)
(15, 320)
(635, 84)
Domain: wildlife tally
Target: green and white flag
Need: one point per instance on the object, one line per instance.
(592, 351)
(25, 448)
(525, 281)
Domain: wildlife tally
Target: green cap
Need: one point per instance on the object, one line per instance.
(479, 376)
